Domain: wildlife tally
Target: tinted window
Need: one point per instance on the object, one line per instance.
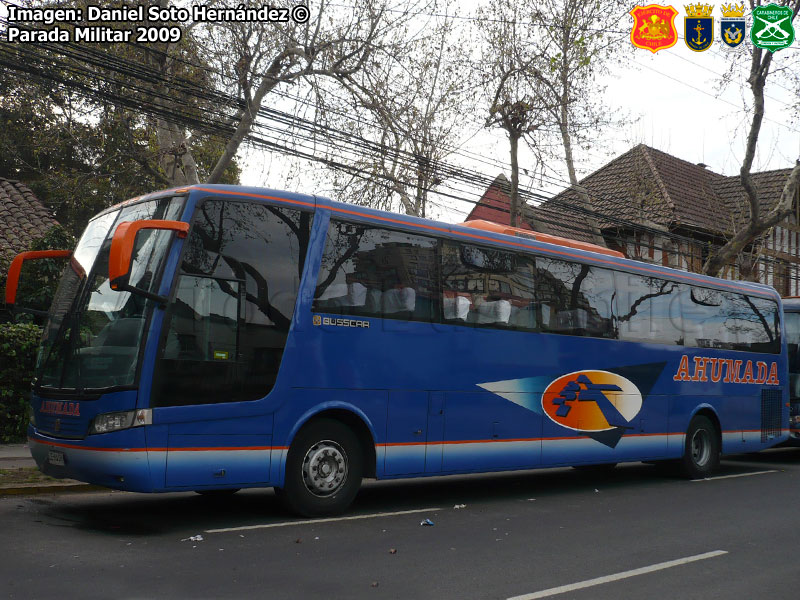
(486, 286)
(377, 272)
(755, 321)
(227, 327)
(717, 319)
(704, 318)
(574, 299)
(648, 309)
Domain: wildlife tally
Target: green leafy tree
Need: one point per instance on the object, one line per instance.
(18, 344)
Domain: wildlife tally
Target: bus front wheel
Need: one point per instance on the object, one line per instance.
(701, 452)
(323, 469)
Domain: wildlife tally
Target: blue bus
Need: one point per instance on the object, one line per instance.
(213, 338)
(791, 316)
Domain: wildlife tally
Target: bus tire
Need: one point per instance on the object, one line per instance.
(701, 450)
(324, 468)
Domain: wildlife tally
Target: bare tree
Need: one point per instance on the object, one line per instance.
(573, 46)
(406, 109)
(758, 221)
(335, 43)
(245, 62)
(515, 105)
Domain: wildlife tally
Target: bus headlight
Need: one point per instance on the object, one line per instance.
(115, 421)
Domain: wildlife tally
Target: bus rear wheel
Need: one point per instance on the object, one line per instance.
(701, 452)
(323, 469)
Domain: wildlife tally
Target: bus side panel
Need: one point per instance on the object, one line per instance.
(486, 433)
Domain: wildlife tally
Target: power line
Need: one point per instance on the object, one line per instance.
(349, 169)
(223, 127)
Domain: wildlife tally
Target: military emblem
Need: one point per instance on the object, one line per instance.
(654, 27)
(772, 27)
(698, 27)
(732, 24)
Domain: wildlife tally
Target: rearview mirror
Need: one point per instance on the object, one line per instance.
(121, 252)
(12, 281)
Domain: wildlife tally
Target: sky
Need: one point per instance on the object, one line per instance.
(673, 102)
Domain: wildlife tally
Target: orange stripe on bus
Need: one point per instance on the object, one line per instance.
(262, 196)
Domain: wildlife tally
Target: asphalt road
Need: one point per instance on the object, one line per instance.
(634, 533)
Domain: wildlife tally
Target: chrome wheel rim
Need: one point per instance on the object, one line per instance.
(325, 468)
(701, 447)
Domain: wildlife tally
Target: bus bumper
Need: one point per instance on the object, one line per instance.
(116, 460)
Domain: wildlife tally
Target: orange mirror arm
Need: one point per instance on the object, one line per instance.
(16, 267)
(119, 258)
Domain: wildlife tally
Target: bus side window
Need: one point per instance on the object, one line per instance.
(375, 272)
(705, 318)
(648, 309)
(204, 320)
(230, 317)
(756, 323)
(574, 299)
(487, 286)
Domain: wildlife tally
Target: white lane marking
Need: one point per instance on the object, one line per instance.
(329, 520)
(624, 575)
(739, 475)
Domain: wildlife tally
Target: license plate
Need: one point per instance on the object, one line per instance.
(55, 458)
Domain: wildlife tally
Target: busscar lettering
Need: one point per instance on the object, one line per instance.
(700, 368)
(345, 322)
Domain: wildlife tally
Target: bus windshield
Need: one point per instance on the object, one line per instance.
(93, 334)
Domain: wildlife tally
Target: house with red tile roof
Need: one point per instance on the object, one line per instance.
(23, 219)
(495, 203)
(658, 208)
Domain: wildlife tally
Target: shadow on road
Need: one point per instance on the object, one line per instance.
(153, 514)
(776, 456)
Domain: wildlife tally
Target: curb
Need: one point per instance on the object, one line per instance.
(51, 488)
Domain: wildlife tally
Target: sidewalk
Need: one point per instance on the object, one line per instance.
(15, 456)
(22, 477)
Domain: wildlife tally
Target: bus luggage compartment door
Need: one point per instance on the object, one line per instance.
(414, 432)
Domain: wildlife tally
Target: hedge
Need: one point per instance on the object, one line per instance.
(18, 345)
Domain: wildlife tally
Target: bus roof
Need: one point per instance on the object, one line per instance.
(484, 231)
(541, 237)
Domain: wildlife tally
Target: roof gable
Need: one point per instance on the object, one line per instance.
(495, 205)
(648, 186)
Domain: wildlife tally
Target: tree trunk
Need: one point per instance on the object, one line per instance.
(513, 139)
(175, 158)
(566, 141)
